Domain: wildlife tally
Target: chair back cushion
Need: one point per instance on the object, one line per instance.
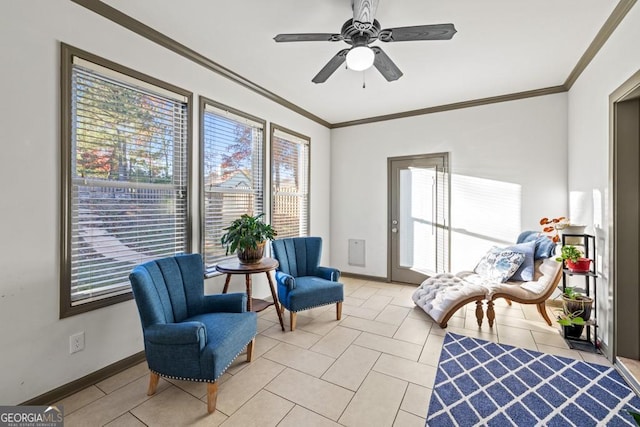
(298, 256)
(169, 290)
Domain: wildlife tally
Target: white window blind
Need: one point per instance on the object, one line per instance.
(290, 183)
(233, 172)
(128, 180)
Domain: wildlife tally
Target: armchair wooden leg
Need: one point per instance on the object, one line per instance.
(339, 310)
(508, 301)
(212, 395)
(292, 319)
(153, 383)
(250, 350)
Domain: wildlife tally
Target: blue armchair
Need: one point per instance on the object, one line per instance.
(188, 335)
(302, 283)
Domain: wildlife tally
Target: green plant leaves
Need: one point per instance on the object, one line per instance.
(246, 232)
(569, 252)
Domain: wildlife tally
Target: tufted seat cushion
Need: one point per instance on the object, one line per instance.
(441, 295)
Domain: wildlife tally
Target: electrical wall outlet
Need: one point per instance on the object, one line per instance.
(76, 342)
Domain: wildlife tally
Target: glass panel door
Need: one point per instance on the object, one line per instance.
(419, 217)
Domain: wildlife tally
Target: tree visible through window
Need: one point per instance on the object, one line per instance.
(233, 171)
(126, 180)
(289, 182)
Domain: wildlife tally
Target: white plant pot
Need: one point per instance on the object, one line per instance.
(573, 229)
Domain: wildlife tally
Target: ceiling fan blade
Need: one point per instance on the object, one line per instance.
(364, 12)
(331, 66)
(385, 65)
(308, 37)
(418, 32)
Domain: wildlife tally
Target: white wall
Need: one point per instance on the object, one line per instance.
(588, 125)
(35, 356)
(512, 153)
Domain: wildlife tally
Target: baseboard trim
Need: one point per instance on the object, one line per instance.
(627, 375)
(364, 277)
(75, 386)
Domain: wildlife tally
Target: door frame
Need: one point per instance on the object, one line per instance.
(446, 156)
(629, 90)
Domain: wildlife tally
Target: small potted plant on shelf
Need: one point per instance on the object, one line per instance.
(247, 237)
(576, 311)
(574, 259)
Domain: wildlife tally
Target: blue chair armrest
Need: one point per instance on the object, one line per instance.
(177, 333)
(286, 280)
(329, 273)
(227, 303)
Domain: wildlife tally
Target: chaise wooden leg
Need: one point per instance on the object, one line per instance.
(292, 320)
(153, 383)
(542, 309)
(479, 312)
(339, 310)
(250, 350)
(212, 395)
(491, 314)
(508, 301)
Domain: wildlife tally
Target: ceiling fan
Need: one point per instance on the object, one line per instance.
(362, 30)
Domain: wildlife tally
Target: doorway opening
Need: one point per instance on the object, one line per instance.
(418, 222)
(624, 254)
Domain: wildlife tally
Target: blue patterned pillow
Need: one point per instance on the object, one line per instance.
(499, 264)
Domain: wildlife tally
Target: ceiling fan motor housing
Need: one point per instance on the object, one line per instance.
(352, 34)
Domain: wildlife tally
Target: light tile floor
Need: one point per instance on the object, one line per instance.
(375, 367)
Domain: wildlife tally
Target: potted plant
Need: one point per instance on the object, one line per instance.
(574, 259)
(247, 237)
(552, 227)
(555, 227)
(576, 311)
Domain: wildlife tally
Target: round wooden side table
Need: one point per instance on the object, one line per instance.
(233, 266)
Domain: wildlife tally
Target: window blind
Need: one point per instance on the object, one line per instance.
(129, 174)
(290, 183)
(233, 173)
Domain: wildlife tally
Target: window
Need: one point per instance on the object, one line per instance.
(124, 177)
(232, 170)
(289, 182)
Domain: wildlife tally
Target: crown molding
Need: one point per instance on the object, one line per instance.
(157, 37)
(610, 25)
(124, 20)
(455, 106)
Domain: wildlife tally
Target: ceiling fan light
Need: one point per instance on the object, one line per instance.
(360, 58)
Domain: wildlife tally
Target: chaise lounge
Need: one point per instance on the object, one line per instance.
(442, 295)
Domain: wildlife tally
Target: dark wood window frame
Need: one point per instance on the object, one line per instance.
(69, 54)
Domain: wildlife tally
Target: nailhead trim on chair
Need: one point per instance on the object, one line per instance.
(201, 380)
(315, 306)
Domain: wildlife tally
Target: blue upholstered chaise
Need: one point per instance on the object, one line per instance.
(188, 335)
(302, 283)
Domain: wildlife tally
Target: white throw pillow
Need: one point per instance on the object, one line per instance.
(499, 264)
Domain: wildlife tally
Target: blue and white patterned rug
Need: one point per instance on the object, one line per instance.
(483, 383)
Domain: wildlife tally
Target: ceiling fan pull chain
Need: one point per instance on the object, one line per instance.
(364, 84)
